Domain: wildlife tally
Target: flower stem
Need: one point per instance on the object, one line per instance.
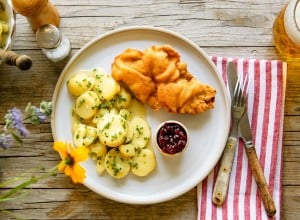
(18, 188)
(23, 185)
(12, 214)
(10, 181)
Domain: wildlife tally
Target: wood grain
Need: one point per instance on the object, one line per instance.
(223, 177)
(261, 181)
(241, 28)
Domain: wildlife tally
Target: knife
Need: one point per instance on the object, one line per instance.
(223, 177)
(246, 135)
(232, 77)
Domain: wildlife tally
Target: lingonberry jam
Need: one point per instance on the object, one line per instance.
(172, 137)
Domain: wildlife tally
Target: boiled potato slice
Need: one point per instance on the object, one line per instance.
(123, 99)
(125, 113)
(143, 162)
(137, 109)
(141, 132)
(127, 150)
(87, 104)
(106, 87)
(129, 135)
(112, 130)
(4, 26)
(85, 135)
(97, 150)
(75, 122)
(100, 165)
(101, 112)
(115, 164)
(108, 104)
(80, 83)
(97, 73)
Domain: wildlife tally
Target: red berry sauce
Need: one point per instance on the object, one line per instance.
(171, 138)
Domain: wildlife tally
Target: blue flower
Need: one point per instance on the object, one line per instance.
(15, 130)
(35, 115)
(38, 115)
(6, 141)
(46, 108)
(14, 120)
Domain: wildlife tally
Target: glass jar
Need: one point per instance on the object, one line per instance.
(286, 31)
(54, 44)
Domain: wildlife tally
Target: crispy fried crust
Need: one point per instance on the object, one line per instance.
(157, 77)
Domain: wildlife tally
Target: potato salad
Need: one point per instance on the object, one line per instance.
(3, 32)
(111, 123)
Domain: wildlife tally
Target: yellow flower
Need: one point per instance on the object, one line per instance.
(71, 157)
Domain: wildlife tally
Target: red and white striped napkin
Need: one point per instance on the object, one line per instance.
(266, 93)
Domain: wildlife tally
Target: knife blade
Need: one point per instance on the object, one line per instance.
(245, 133)
(223, 177)
(232, 77)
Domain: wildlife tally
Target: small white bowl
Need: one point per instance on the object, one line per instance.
(171, 138)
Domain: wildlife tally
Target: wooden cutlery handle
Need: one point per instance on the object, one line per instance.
(23, 62)
(222, 181)
(261, 181)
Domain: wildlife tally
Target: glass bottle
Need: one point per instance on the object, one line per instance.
(37, 12)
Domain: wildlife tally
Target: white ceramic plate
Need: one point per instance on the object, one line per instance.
(208, 131)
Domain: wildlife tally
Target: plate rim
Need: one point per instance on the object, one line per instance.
(137, 199)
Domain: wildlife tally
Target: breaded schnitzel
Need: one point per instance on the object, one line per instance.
(156, 76)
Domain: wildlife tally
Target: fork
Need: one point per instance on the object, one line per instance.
(222, 181)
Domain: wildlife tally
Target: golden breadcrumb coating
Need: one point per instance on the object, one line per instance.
(156, 76)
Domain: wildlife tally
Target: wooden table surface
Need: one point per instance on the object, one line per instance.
(241, 28)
